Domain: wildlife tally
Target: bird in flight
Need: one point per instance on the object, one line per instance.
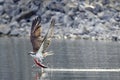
(39, 43)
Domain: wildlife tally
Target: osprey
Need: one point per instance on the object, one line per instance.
(40, 44)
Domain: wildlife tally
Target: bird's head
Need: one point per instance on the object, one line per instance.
(31, 53)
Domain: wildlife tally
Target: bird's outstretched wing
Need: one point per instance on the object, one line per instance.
(49, 35)
(35, 37)
(47, 39)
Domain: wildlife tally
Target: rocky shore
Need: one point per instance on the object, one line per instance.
(75, 19)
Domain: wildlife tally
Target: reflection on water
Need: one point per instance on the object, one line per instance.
(37, 74)
(15, 64)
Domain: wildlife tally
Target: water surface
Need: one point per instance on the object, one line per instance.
(15, 64)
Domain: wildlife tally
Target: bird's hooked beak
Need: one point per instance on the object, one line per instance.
(31, 53)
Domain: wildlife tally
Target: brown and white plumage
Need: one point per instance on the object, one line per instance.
(40, 44)
(36, 38)
(48, 36)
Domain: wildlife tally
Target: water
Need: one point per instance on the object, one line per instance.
(69, 55)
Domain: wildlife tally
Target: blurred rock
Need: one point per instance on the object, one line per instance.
(25, 15)
(1, 2)
(117, 17)
(58, 7)
(9, 8)
(96, 9)
(83, 30)
(4, 29)
(8, 1)
(115, 38)
(72, 4)
(1, 10)
(104, 2)
(106, 15)
(37, 2)
(47, 16)
(74, 18)
(15, 32)
(5, 19)
(16, 1)
(14, 25)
